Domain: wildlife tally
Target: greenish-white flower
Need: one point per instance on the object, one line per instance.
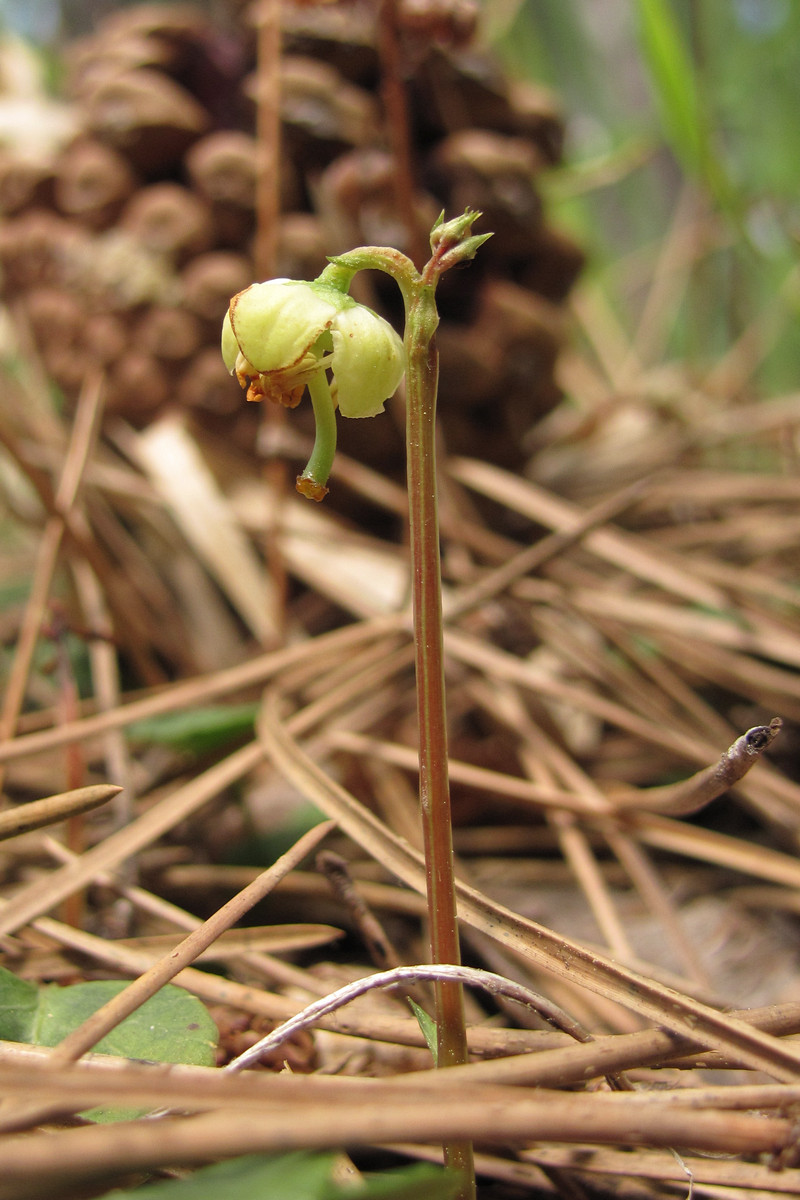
(279, 335)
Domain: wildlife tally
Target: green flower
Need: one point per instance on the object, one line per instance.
(280, 335)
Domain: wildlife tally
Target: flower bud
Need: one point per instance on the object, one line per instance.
(445, 235)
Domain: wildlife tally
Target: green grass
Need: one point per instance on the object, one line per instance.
(665, 95)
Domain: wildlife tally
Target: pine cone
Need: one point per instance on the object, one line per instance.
(125, 249)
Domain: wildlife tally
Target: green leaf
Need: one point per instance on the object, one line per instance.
(420, 1182)
(171, 1026)
(299, 1176)
(19, 1001)
(197, 730)
(428, 1027)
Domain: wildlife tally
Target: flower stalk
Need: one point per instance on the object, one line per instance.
(422, 378)
(434, 785)
(279, 341)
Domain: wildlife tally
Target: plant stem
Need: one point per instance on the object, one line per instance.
(421, 383)
(451, 244)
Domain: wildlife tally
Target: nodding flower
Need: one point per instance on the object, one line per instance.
(285, 335)
(279, 334)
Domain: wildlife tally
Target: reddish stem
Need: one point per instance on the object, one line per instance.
(422, 380)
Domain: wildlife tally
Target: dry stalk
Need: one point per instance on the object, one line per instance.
(499, 1114)
(80, 446)
(540, 945)
(494, 984)
(52, 809)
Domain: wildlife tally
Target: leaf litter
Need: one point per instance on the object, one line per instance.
(563, 754)
(620, 612)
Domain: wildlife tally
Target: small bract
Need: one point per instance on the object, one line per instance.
(278, 335)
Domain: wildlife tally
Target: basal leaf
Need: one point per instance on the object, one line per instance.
(300, 1176)
(18, 1003)
(171, 1026)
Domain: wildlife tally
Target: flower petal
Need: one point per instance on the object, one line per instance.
(230, 347)
(276, 323)
(368, 361)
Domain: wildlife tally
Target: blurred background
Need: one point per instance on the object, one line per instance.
(678, 113)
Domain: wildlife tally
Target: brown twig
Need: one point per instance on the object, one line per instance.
(393, 88)
(495, 984)
(83, 436)
(52, 809)
(690, 795)
(372, 933)
(617, 1118)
